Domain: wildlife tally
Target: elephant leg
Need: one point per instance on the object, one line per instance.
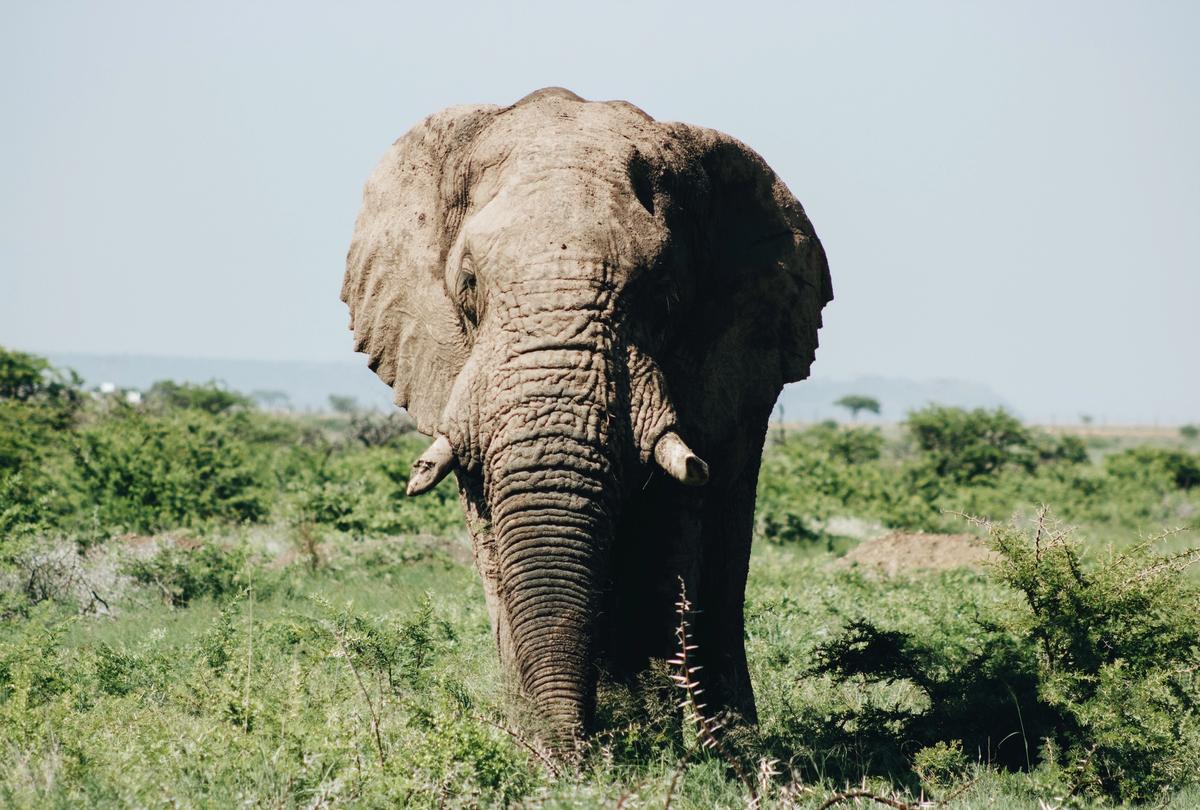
(719, 624)
(656, 545)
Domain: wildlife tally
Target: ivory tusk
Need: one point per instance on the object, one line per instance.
(431, 467)
(678, 460)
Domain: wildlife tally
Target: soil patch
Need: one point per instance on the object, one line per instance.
(902, 552)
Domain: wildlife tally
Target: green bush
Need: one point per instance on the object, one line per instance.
(146, 472)
(186, 571)
(38, 408)
(360, 490)
(1094, 672)
(211, 397)
(1156, 466)
(965, 446)
(29, 378)
(1118, 647)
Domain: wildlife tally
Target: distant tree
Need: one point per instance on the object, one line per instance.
(968, 445)
(211, 397)
(271, 399)
(1189, 431)
(1086, 418)
(343, 404)
(27, 377)
(857, 402)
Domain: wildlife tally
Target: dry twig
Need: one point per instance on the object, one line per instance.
(708, 729)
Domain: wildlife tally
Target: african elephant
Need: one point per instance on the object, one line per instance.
(581, 303)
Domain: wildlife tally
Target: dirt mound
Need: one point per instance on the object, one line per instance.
(902, 552)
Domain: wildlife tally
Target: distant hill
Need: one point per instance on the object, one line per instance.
(308, 386)
(812, 400)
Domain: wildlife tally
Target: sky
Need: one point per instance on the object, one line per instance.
(1008, 193)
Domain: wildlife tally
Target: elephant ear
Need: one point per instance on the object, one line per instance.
(763, 277)
(400, 313)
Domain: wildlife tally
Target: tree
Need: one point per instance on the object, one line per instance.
(272, 399)
(343, 404)
(858, 402)
(968, 445)
(27, 377)
(211, 397)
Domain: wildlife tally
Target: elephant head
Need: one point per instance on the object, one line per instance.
(563, 293)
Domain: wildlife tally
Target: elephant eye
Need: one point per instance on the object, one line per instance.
(464, 290)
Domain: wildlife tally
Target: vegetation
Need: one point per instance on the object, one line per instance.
(855, 403)
(205, 604)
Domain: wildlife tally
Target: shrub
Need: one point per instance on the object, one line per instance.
(1098, 663)
(1190, 432)
(211, 397)
(1156, 466)
(183, 572)
(940, 765)
(361, 491)
(146, 472)
(966, 446)
(1118, 648)
(29, 378)
(379, 430)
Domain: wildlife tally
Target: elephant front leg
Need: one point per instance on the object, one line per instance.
(719, 625)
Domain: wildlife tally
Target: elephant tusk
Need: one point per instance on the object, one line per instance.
(431, 467)
(678, 460)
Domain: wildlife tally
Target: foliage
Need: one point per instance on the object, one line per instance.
(145, 472)
(29, 378)
(1096, 672)
(363, 491)
(211, 397)
(1118, 650)
(186, 571)
(1156, 466)
(230, 669)
(1190, 432)
(966, 446)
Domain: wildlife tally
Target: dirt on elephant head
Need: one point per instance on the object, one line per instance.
(903, 552)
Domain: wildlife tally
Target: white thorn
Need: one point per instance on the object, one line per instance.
(678, 460)
(431, 467)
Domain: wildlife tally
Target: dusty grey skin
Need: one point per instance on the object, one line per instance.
(581, 303)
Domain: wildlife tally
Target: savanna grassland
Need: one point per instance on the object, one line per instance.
(204, 604)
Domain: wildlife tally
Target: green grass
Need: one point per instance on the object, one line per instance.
(204, 605)
(272, 698)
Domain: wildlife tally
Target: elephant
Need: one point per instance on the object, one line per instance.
(593, 314)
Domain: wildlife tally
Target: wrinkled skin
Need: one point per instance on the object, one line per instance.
(593, 313)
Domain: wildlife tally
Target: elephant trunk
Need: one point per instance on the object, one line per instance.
(552, 524)
(550, 482)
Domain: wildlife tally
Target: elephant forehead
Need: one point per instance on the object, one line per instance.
(596, 136)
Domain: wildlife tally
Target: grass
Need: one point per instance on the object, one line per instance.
(274, 697)
(332, 648)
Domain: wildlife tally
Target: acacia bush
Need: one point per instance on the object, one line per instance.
(183, 572)
(148, 472)
(965, 446)
(1094, 672)
(211, 397)
(950, 460)
(360, 490)
(1156, 466)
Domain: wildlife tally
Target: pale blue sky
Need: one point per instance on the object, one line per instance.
(1007, 194)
